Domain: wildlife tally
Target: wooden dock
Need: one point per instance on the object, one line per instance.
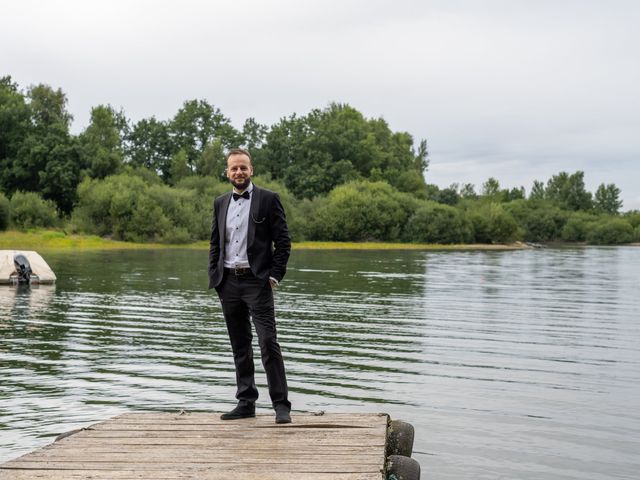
(145, 446)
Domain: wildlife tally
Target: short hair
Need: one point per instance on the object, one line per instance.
(238, 151)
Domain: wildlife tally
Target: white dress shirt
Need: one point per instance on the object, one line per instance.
(237, 229)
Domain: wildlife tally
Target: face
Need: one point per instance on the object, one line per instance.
(239, 170)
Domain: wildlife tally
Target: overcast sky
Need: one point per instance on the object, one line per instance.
(515, 89)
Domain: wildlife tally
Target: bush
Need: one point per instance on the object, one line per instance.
(577, 227)
(633, 217)
(4, 212)
(119, 205)
(30, 210)
(492, 224)
(539, 221)
(611, 231)
(363, 210)
(436, 223)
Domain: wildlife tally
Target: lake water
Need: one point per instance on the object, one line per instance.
(522, 364)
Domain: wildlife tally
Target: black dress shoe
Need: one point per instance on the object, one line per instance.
(282, 415)
(241, 411)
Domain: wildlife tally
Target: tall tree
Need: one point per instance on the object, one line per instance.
(48, 160)
(491, 188)
(568, 191)
(149, 145)
(212, 161)
(607, 199)
(15, 125)
(196, 125)
(101, 144)
(468, 190)
(537, 191)
(179, 167)
(254, 134)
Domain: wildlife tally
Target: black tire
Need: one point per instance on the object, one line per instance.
(402, 468)
(400, 438)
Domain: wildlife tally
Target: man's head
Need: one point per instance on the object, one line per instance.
(239, 168)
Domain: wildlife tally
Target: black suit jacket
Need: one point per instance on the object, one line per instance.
(268, 242)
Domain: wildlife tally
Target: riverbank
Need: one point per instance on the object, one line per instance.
(57, 240)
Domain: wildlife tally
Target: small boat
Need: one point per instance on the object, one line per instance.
(24, 267)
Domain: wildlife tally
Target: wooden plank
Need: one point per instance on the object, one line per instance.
(200, 445)
(228, 467)
(194, 474)
(220, 456)
(261, 421)
(249, 443)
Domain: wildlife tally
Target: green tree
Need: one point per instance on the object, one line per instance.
(446, 196)
(212, 161)
(537, 191)
(491, 188)
(607, 199)
(254, 135)
(315, 153)
(568, 191)
(196, 125)
(101, 144)
(48, 160)
(4, 212)
(180, 167)
(30, 210)
(468, 191)
(15, 125)
(149, 145)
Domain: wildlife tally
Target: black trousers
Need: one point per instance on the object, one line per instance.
(244, 297)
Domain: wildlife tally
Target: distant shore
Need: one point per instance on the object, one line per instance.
(57, 240)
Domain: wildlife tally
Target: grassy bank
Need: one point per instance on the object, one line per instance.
(57, 240)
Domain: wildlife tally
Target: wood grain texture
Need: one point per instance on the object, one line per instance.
(200, 445)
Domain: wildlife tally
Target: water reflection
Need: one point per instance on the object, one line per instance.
(29, 300)
(510, 364)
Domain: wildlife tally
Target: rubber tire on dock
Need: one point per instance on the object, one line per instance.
(402, 468)
(400, 438)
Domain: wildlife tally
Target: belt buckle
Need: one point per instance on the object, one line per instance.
(238, 271)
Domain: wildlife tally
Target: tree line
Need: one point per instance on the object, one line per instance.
(341, 176)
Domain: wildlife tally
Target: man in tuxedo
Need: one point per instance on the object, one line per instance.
(248, 256)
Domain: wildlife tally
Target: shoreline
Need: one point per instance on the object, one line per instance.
(57, 240)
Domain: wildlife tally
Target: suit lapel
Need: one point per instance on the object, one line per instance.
(253, 213)
(222, 224)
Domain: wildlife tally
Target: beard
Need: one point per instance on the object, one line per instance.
(241, 186)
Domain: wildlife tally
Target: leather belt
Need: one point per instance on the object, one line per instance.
(239, 271)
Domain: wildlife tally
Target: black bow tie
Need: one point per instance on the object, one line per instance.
(246, 195)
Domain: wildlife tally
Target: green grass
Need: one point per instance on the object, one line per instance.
(58, 240)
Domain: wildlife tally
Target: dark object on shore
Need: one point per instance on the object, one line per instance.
(23, 269)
